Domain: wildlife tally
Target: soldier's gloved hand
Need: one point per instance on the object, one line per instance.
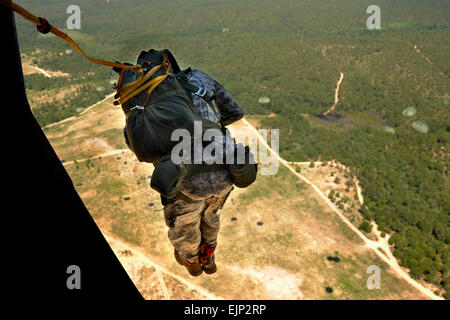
(242, 155)
(244, 170)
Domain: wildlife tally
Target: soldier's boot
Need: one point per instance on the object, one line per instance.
(207, 259)
(178, 257)
(192, 265)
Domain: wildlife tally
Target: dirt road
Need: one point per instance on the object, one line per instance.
(336, 95)
(102, 155)
(83, 112)
(382, 243)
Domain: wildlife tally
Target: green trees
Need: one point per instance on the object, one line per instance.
(365, 226)
(331, 196)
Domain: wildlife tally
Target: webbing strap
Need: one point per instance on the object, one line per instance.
(125, 92)
(186, 85)
(45, 27)
(184, 197)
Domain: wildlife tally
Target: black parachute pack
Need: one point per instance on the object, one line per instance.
(155, 112)
(151, 118)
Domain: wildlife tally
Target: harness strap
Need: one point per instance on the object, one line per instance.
(186, 84)
(176, 69)
(185, 198)
(126, 93)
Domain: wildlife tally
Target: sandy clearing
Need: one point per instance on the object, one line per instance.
(103, 155)
(30, 69)
(278, 283)
(143, 260)
(98, 143)
(84, 111)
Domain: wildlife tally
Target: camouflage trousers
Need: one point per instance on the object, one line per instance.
(191, 222)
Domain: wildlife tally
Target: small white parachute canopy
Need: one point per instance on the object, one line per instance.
(264, 100)
(389, 130)
(409, 112)
(420, 126)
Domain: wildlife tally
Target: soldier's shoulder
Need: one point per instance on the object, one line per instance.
(199, 76)
(197, 73)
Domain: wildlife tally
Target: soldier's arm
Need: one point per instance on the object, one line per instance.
(229, 109)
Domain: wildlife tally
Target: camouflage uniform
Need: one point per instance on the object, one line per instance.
(190, 222)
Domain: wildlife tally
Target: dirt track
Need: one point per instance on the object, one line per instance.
(84, 111)
(381, 243)
(103, 155)
(336, 95)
